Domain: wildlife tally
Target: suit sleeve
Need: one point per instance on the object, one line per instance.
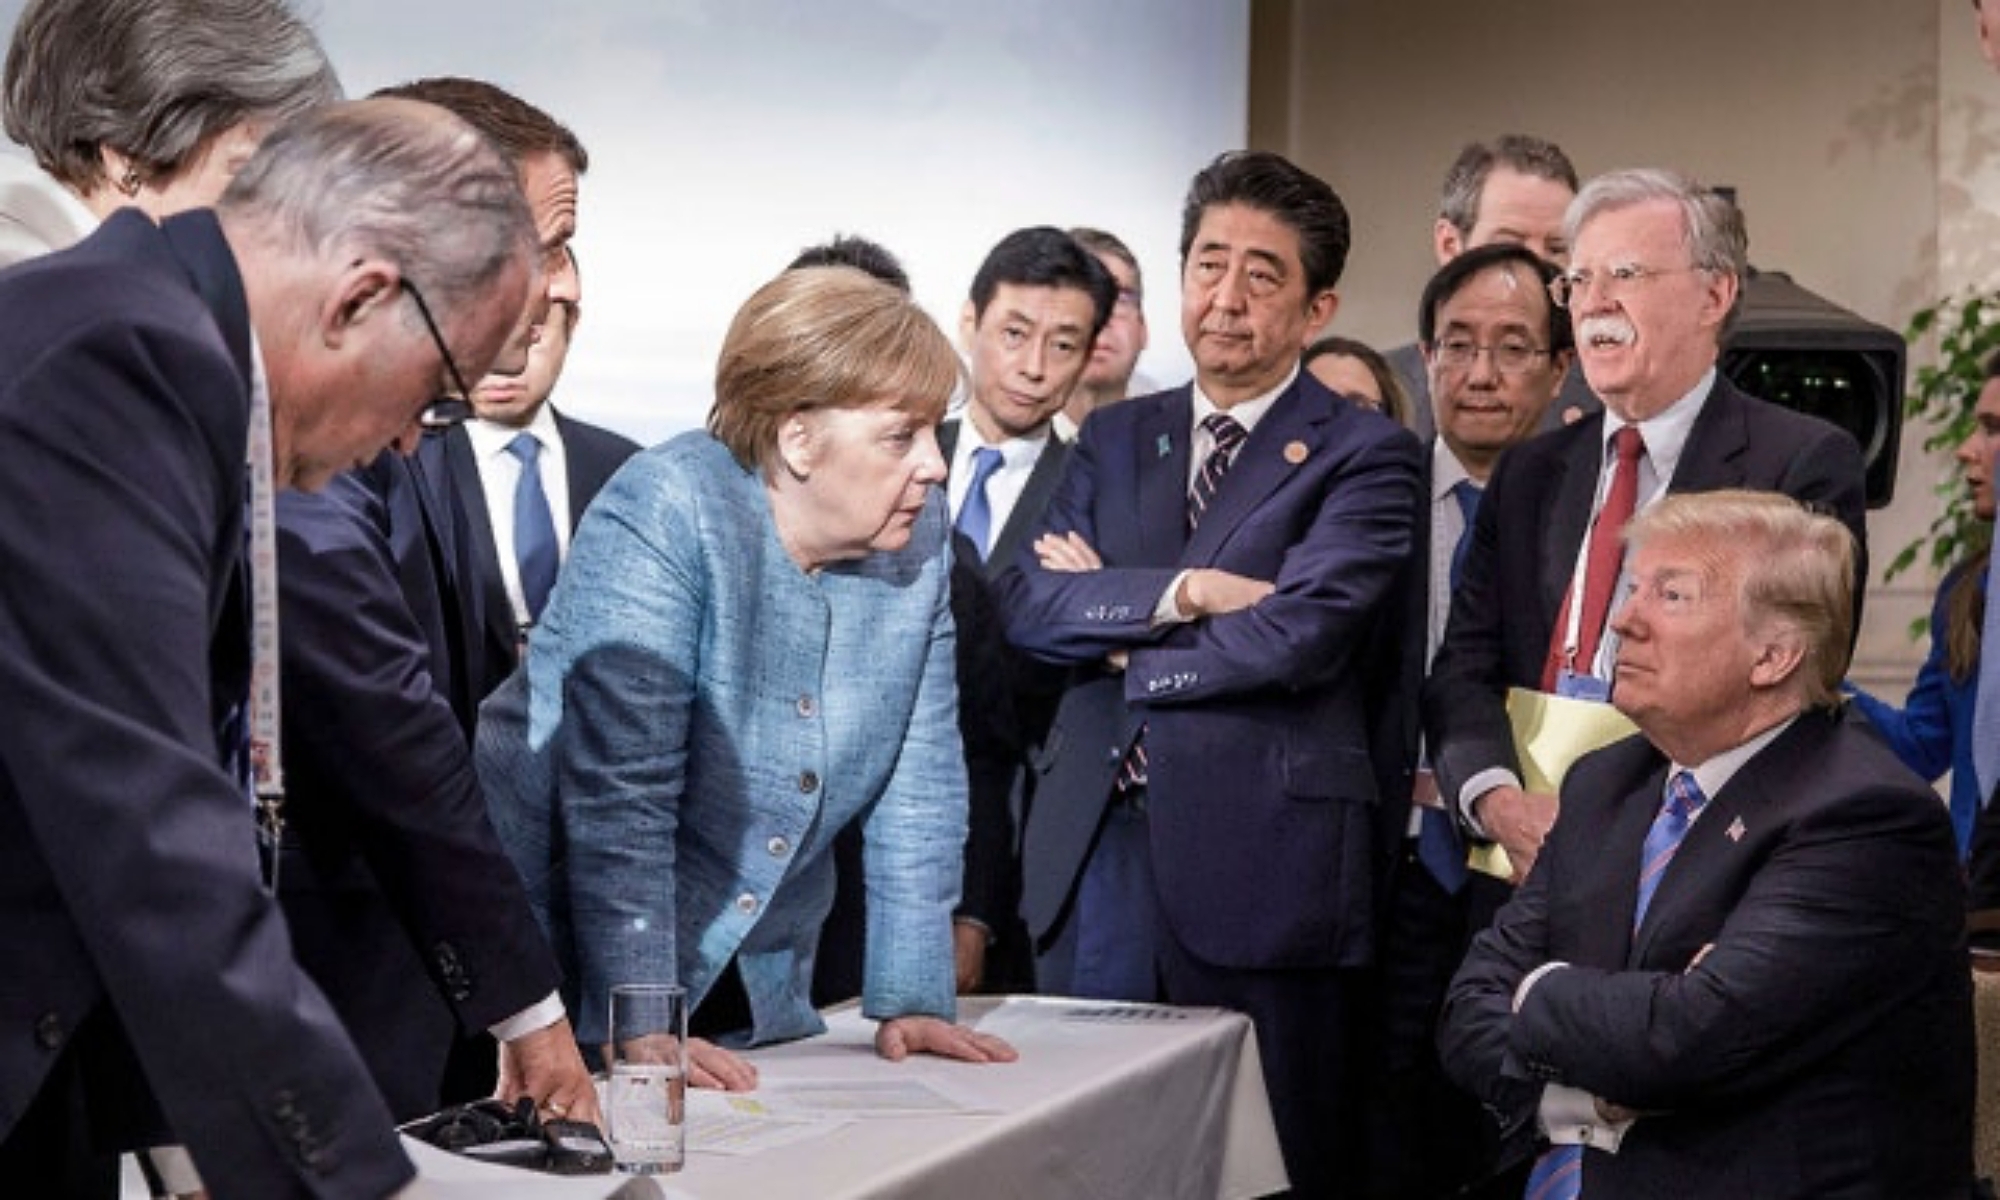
(914, 839)
(387, 763)
(1079, 616)
(620, 755)
(1846, 922)
(1920, 731)
(1465, 696)
(987, 723)
(119, 490)
(1328, 592)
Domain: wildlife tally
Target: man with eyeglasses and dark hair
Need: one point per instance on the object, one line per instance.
(1656, 262)
(403, 907)
(1497, 348)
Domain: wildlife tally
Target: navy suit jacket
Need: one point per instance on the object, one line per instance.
(403, 904)
(1822, 1048)
(1531, 525)
(592, 455)
(1264, 795)
(128, 867)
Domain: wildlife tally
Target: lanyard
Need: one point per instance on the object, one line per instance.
(267, 771)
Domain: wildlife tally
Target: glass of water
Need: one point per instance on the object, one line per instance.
(646, 1110)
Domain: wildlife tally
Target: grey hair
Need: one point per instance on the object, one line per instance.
(1796, 570)
(1711, 225)
(398, 179)
(155, 80)
(1465, 182)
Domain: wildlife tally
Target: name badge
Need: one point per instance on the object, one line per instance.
(1583, 687)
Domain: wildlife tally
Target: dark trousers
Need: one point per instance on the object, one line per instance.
(1426, 1138)
(1105, 946)
(1306, 1022)
(49, 1151)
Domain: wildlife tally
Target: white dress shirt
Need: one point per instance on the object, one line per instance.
(500, 473)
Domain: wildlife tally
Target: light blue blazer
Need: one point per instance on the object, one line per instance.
(698, 717)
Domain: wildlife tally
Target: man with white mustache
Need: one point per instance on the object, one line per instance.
(1656, 265)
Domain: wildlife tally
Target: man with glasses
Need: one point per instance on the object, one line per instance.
(151, 983)
(1114, 359)
(1656, 261)
(402, 905)
(1497, 348)
(1512, 190)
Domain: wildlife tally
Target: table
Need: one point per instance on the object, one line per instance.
(1107, 1101)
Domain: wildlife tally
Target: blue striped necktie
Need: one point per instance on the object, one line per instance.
(534, 527)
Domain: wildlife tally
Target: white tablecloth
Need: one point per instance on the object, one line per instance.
(1107, 1101)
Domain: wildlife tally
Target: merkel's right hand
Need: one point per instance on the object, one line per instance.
(1517, 820)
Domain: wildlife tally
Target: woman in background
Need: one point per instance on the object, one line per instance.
(749, 648)
(1933, 729)
(150, 103)
(1356, 371)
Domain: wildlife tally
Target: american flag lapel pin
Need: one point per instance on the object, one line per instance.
(1166, 445)
(1736, 830)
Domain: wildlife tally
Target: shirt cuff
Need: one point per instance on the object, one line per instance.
(1534, 977)
(1569, 1117)
(1168, 610)
(532, 1019)
(1477, 786)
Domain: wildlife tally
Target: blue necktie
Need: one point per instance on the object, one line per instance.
(975, 512)
(1663, 840)
(1986, 696)
(1437, 842)
(1467, 493)
(534, 527)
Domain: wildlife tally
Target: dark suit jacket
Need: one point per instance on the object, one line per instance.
(1823, 1047)
(593, 455)
(128, 873)
(1532, 523)
(1264, 796)
(403, 905)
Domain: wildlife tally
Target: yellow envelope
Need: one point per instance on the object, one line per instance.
(1550, 733)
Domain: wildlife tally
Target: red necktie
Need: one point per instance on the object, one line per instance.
(1603, 559)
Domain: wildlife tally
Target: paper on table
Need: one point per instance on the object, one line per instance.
(1550, 733)
(735, 1123)
(909, 1096)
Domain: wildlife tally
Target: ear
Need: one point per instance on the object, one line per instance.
(795, 446)
(1319, 312)
(968, 323)
(1778, 657)
(1718, 297)
(1561, 361)
(362, 293)
(1446, 240)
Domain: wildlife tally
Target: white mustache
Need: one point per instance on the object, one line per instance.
(1605, 329)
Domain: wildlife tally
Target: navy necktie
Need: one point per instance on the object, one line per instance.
(1467, 493)
(975, 512)
(534, 527)
(1228, 435)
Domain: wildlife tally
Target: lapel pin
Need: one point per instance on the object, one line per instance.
(1295, 452)
(1736, 830)
(1166, 445)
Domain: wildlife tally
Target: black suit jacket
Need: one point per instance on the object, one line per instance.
(1823, 1046)
(404, 906)
(593, 455)
(128, 868)
(1532, 523)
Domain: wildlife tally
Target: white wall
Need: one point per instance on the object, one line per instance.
(727, 134)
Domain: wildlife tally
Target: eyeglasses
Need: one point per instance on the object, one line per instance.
(1615, 280)
(1509, 358)
(1128, 300)
(445, 411)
